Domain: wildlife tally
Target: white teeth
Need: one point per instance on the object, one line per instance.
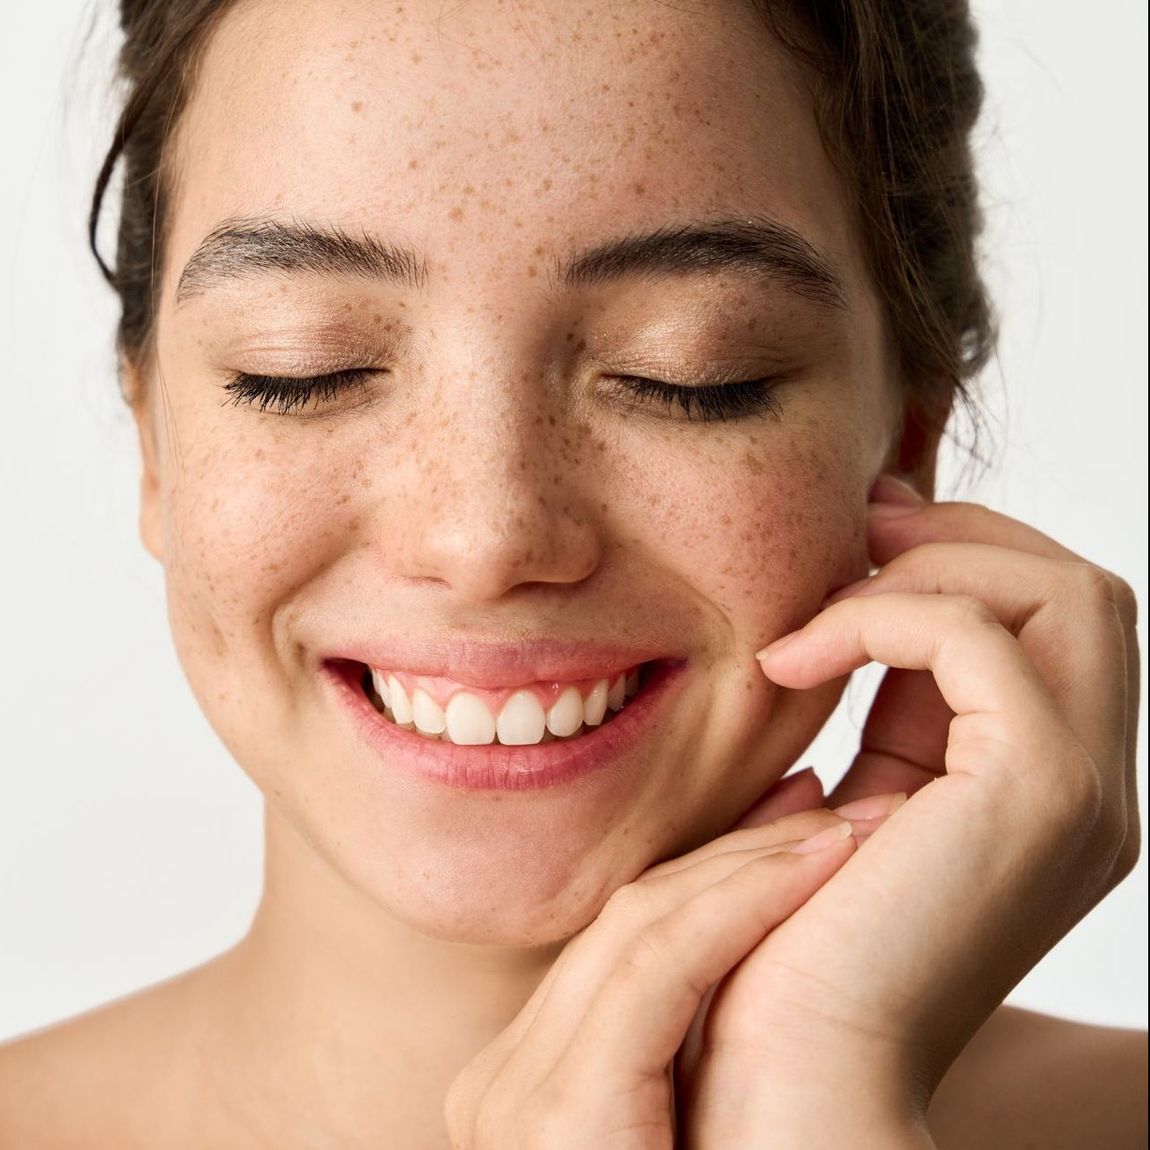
(566, 714)
(427, 713)
(469, 722)
(521, 722)
(596, 705)
(616, 695)
(379, 682)
(400, 704)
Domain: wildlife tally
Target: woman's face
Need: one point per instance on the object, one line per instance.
(510, 213)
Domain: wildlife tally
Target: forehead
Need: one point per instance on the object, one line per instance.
(491, 131)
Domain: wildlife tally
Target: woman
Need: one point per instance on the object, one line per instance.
(524, 393)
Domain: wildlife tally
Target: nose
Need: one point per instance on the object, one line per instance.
(499, 493)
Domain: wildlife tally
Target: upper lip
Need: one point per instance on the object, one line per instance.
(491, 665)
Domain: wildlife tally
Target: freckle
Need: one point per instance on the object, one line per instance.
(547, 185)
(416, 58)
(640, 189)
(413, 163)
(532, 271)
(456, 213)
(357, 106)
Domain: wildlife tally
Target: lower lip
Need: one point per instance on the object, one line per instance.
(503, 768)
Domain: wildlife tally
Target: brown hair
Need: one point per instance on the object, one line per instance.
(897, 94)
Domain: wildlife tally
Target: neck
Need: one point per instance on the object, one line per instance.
(338, 1016)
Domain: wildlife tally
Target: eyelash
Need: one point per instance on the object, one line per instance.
(703, 403)
(709, 402)
(284, 394)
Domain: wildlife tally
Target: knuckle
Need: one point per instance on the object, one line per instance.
(968, 610)
(547, 1116)
(1082, 812)
(466, 1106)
(459, 1113)
(1125, 601)
(1129, 852)
(920, 566)
(625, 905)
(646, 950)
(1108, 591)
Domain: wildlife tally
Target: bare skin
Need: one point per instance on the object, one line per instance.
(485, 479)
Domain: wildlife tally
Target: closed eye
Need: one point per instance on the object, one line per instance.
(708, 402)
(284, 394)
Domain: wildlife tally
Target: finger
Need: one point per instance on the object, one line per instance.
(1065, 614)
(563, 993)
(802, 791)
(643, 1012)
(978, 665)
(894, 529)
(787, 829)
(903, 744)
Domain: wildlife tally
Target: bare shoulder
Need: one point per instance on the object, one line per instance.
(1029, 1079)
(103, 1078)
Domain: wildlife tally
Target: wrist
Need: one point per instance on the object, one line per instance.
(835, 1125)
(818, 1110)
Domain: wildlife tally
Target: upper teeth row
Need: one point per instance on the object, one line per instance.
(521, 721)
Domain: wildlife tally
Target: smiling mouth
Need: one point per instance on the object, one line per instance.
(439, 709)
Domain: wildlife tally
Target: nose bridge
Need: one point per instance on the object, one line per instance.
(495, 497)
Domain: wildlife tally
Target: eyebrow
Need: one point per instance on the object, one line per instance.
(762, 248)
(759, 247)
(243, 247)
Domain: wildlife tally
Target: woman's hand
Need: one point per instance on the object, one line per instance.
(587, 1061)
(1013, 693)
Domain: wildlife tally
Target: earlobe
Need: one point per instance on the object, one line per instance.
(914, 454)
(151, 532)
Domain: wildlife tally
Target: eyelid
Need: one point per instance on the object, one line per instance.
(713, 402)
(287, 394)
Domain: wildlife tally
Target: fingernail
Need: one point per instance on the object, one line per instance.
(822, 840)
(891, 496)
(872, 807)
(777, 645)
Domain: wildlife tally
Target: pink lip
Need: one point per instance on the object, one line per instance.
(499, 768)
(497, 665)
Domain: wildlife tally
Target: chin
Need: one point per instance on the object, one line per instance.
(502, 900)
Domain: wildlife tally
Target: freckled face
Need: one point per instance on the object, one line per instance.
(494, 475)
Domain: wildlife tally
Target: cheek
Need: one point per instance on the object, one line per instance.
(764, 527)
(247, 520)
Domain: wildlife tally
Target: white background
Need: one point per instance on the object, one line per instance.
(130, 844)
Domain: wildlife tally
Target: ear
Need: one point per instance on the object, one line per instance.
(914, 454)
(144, 413)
